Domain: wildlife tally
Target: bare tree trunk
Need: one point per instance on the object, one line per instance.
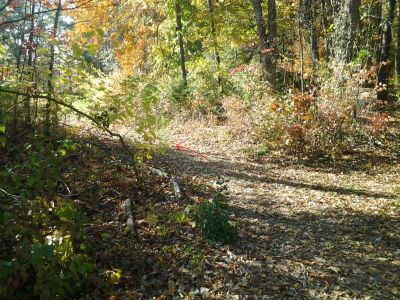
(18, 60)
(179, 28)
(31, 48)
(398, 41)
(384, 63)
(314, 45)
(377, 11)
(325, 24)
(210, 8)
(300, 37)
(266, 53)
(272, 42)
(261, 32)
(307, 21)
(50, 84)
(347, 17)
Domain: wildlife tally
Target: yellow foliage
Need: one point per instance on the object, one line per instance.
(130, 26)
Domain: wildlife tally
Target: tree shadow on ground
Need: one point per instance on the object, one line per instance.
(298, 254)
(192, 166)
(311, 256)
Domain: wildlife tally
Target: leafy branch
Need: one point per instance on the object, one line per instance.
(79, 112)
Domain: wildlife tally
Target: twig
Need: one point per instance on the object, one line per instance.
(128, 210)
(176, 187)
(9, 195)
(173, 179)
(11, 108)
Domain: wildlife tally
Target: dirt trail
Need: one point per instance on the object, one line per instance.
(305, 231)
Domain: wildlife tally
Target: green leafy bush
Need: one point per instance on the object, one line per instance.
(42, 253)
(212, 217)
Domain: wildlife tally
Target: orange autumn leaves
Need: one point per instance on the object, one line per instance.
(130, 27)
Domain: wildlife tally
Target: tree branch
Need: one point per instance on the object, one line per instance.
(79, 112)
(5, 5)
(41, 12)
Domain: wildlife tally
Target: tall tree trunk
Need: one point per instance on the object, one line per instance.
(210, 8)
(217, 57)
(50, 84)
(384, 63)
(19, 69)
(300, 37)
(325, 23)
(398, 41)
(31, 49)
(272, 42)
(307, 21)
(179, 28)
(377, 11)
(267, 57)
(314, 45)
(347, 17)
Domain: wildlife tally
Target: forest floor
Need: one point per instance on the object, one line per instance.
(307, 229)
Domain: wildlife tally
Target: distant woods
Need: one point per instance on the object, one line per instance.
(193, 51)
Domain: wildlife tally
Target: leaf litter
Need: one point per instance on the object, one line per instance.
(305, 230)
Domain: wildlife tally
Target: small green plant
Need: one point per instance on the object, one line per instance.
(196, 257)
(397, 202)
(212, 217)
(262, 151)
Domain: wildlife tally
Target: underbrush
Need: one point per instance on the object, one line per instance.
(43, 250)
(327, 120)
(212, 217)
(331, 117)
(63, 227)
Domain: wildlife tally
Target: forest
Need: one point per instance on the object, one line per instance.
(199, 149)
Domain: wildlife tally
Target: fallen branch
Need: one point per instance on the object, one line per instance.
(177, 189)
(173, 179)
(9, 195)
(129, 213)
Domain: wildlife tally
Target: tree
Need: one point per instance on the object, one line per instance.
(50, 83)
(217, 58)
(384, 52)
(272, 42)
(179, 28)
(398, 41)
(347, 17)
(267, 43)
(325, 24)
(31, 50)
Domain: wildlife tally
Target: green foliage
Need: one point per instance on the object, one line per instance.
(48, 257)
(113, 276)
(3, 137)
(212, 217)
(397, 203)
(196, 257)
(44, 255)
(175, 91)
(179, 218)
(247, 83)
(362, 56)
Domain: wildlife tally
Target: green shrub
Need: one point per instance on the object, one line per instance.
(212, 217)
(42, 254)
(47, 259)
